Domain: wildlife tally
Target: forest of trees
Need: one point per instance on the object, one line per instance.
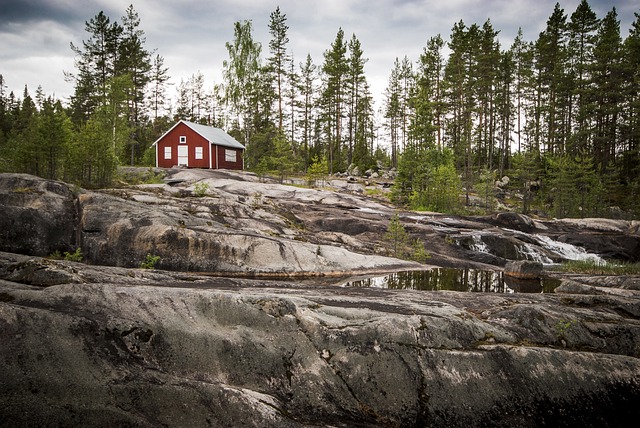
(560, 115)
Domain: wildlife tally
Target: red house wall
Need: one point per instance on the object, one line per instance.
(209, 152)
(223, 164)
(194, 140)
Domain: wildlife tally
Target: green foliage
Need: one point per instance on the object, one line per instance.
(75, 256)
(576, 189)
(400, 244)
(486, 188)
(317, 171)
(524, 174)
(150, 262)
(563, 327)
(56, 255)
(201, 189)
(272, 152)
(427, 180)
(567, 103)
(396, 237)
(419, 253)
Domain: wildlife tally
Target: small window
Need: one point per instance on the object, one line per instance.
(230, 155)
(198, 152)
(183, 139)
(167, 152)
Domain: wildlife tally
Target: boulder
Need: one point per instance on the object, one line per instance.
(515, 221)
(523, 269)
(38, 217)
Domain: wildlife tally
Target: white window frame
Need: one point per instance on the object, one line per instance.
(167, 152)
(230, 156)
(183, 139)
(199, 153)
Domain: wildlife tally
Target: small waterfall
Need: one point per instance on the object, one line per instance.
(529, 252)
(478, 244)
(527, 246)
(567, 251)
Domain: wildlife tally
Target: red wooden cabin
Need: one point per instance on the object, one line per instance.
(193, 145)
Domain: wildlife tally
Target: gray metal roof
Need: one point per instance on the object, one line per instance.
(214, 135)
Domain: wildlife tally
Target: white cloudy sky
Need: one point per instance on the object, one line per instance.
(191, 34)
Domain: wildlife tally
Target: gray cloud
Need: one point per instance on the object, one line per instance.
(191, 34)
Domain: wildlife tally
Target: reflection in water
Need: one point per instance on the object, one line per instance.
(474, 280)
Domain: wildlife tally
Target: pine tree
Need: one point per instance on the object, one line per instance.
(278, 62)
(55, 131)
(396, 237)
(582, 28)
(484, 73)
(393, 111)
(23, 152)
(552, 88)
(308, 87)
(606, 100)
(425, 128)
(96, 63)
(505, 112)
(335, 69)
(5, 122)
(134, 61)
(630, 119)
(522, 55)
(358, 106)
(459, 86)
(159, 76)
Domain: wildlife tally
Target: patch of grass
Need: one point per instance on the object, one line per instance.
(592, 267)
(376, 193)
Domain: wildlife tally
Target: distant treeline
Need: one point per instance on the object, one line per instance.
(559, 115)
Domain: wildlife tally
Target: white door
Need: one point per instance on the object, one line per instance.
(183, 156)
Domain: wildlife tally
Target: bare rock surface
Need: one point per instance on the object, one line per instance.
(104, 343)
(156, 351)
(237, 223)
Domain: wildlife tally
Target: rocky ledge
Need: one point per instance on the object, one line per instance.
(94, 345)
(160, 349)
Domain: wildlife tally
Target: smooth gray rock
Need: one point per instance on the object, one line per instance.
(246, 225)
(248, 353)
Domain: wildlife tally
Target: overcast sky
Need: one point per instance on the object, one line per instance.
(191, 34)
